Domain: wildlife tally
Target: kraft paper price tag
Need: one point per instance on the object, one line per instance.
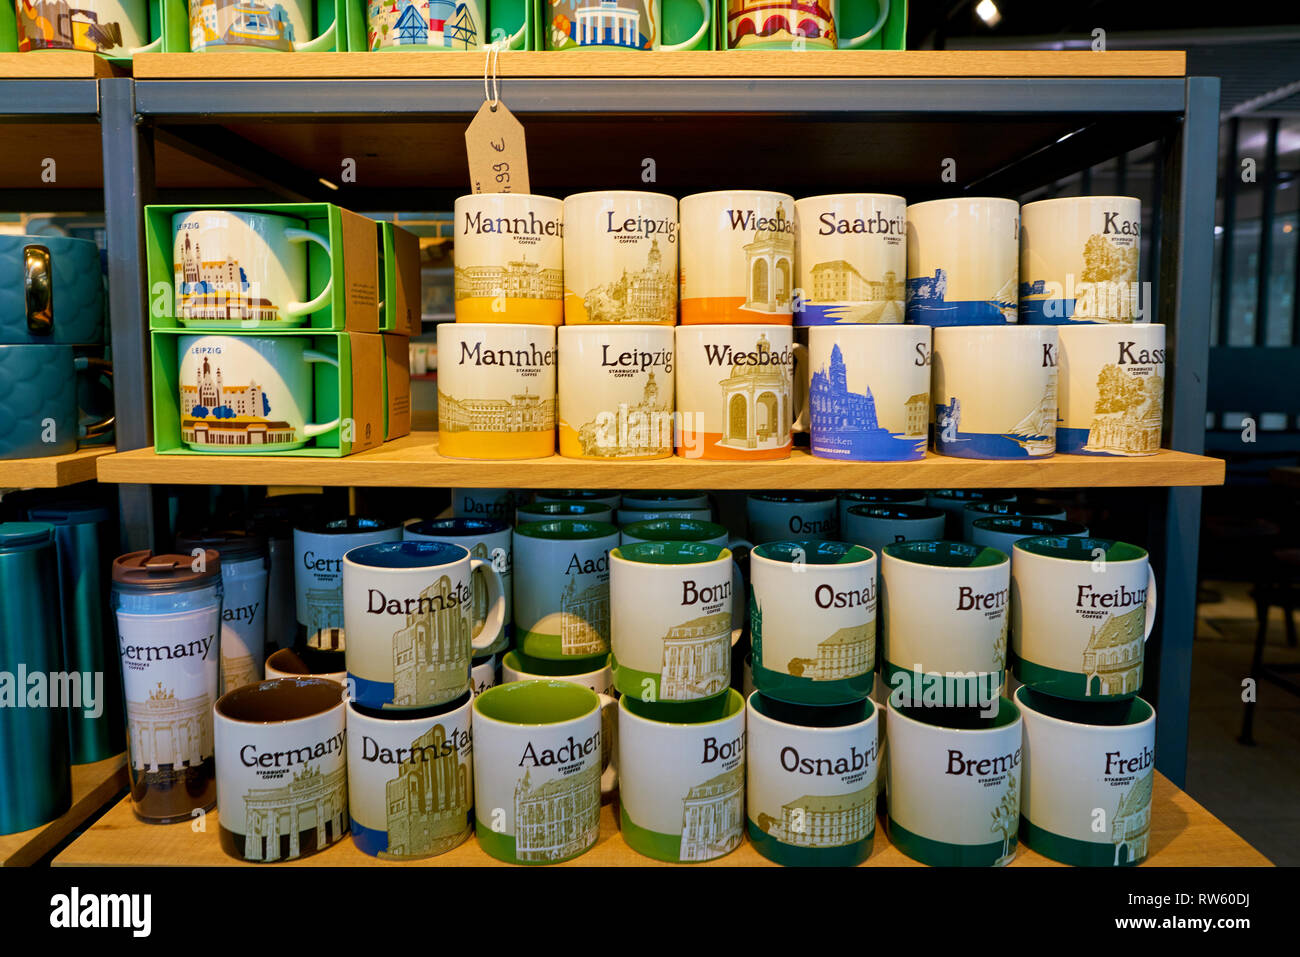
(498, 156)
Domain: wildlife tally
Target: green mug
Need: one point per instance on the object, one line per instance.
(561, 589)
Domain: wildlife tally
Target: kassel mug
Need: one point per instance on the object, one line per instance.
(1112, 389)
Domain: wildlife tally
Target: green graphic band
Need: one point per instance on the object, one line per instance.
(1071, 850)
(502, 846)
(644, 685)
(541, 644)
(943, 854)
(1062, 684)
(661, 847)
(843, 855)
(796, 690)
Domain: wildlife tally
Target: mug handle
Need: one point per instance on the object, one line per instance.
(38, 290)
(295, 309)
(699, 34)
(309, 430)
(153, 46)
(609, 773)
(857, 43)
(496, 616)
(1151, 602)
(94, 430)
(800, 422)
(738, 586)
(322, 42)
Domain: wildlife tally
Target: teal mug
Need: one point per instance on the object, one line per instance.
(39, 414)
(782, 516)
(51, 291)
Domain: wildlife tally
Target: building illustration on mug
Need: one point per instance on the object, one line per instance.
(517, 279)
(769, 265)
(558, 818)
(216, 289)
(615, 23)
(239, 23)
(431, 652)
(214, 413)
(428, 802)
(846, 423)
(648, 294)
(584, 619)
(1131, 824)
(696, 658)
(840, 294)
(823, 820)
(522, 412)
(928, 303)
(427, 23)
(631, 430)
(309, 812)
(1006, 820)
(169, 732)
(1112, 659)
(58, 25)
(713, 815)
(756, 400)
(1105, 291)
(237, 671)
(847, 653)
(773, 20)
(1128, 415)
(324, 615)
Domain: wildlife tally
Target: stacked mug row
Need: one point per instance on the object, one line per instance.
(862, 392)
(755, 256)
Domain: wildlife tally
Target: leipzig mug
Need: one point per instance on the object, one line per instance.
(425, 25)
(410, 780)
(496, 390)
(286, 663)
(562, 588)
(244, 270)
(963, 259)
(1082, 610)
(1079, 260)
(629, 25)
(869, 394)
(230, 25)
(248, 393)
(877, 497)
(110, 27)
(620, 255)
(782, 516)
(40, 413)
(485, 538)
(994, 391)
(876, 526)
(1002, 532)
(812, 612)
(811, 781)
(408, 611)
(1080, 759)
(509, 258)
(952, 788)
(789, 25)
(974, 511)
(682, 777)
(737, 258)
(282, 789)
(1112, 390)
(850, 258)
(51, 291)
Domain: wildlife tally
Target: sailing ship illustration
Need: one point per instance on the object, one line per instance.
(1036, 432)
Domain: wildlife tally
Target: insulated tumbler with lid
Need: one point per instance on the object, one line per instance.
(243, 601)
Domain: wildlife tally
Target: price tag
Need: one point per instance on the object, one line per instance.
(498, 156)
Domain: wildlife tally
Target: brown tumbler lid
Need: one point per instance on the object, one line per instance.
(147, 570)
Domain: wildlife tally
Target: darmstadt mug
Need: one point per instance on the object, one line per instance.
(616, 392)
(737, 262)
(1079, 260)
(1082, 610)
(282, 788)
(620, 255)
(974, 511)
(754, 25)
(111, 27)
(994, 391)
(562, 588)
(410, 780)
(496, 390)
(1002, 532)
(248, 393)
(627, 24)
(1112, 389)
(869, 395)
(425, 25)
(876, 526)
(509, 257)
(1080, 759)
(735, 391)
(812, 610)
(252, 25)
(51, 290)
(497, 503)
(962, 262)
(954, 791)
(812, 781)
(671, 620)
(318, 550)
(485, 538)
(286, 663)
(682, 778)
(40, 412)
(944, 617)
(408, 611)
(537, 767)
(783, 516)
(244, 270)
(851, 258)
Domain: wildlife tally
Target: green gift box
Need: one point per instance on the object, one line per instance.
(176, 27)
(154, 30)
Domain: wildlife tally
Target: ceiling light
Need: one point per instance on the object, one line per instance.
(988, 11)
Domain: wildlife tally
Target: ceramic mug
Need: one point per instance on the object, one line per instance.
(548, 511)
(620, 255)
(487, 539)
(812, 610)
(425, 25)
(483, 673)
(963, 259)
(954, 789)
(537, 768)
(509, 257)
(944, 618)
(1082, 610)
(244, 270)
(594, 496)
(682, 787)
(318, 550)
(493, 503)
(953, 501)
(1112, 391)
(974, 511)
(1081, 759)
(632, 516)
(650, 501)
(811, 781)
(251, 25)
(616, 392)
(877, 497)
(286, 663)
(281, 768)
(110, 27)
(1079, 260)
(410, 780)
(737, 262)
(496, 390)
(695, 530)
(735, 391)
(994, 391)
(782, 516)
(1002, 532)
(869, 394)
(562, 588)
(248, 393)
(850, 258)
(40, 412)
(408, 611)
(626, 25)
(51, 291)
(512, 25)
(788, 25)
(876, 526)
(671, 620)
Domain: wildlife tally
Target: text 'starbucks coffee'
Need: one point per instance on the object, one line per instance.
(562, 589)
(509, 258)
(737, 257)
(620, 255)
(168, 610)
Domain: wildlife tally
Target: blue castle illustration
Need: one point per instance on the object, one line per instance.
(833, 406)
(928, 289)
(845, 423)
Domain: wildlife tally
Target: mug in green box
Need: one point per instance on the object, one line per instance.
(627, 24)
(797, 25)
(562, 588)
(424, 24)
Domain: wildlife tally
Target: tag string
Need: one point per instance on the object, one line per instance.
(490, 66)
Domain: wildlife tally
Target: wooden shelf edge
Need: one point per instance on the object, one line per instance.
(57, 65)
(93, 785)
(54, 471)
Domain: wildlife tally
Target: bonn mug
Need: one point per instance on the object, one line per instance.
(737, 258)
(425, 25)
(963, 258)
(626, 25)
(1002, 532)
(1112, 389)
(694, 530)
(509, 258)
(851, 258)
(562, 588)
(620, 255)
(254, 26)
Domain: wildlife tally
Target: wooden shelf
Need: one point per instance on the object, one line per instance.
(53, 471)
(1183, 834)
(93, 785)
(413, 461)
(57, 65)
(703, 63)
